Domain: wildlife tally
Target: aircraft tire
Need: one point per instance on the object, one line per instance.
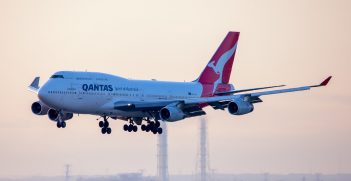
(58, 124)
(108, 130)
(63, 124)
(125, 127)
(130, 128)
(159, 130)
(135, 128)
(103, 130)
(101, 124)
(143, 127)
(157, 124)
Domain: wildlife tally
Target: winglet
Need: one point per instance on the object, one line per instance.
(326, 81)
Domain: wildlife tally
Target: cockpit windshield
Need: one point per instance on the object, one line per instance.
(56, 76)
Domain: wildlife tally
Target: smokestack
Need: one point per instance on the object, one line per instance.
(203, 166)
(162, 155)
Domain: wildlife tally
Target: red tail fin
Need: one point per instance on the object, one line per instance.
(219, 68)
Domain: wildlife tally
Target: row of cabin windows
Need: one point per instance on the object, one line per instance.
(111, 94)
(61, 92)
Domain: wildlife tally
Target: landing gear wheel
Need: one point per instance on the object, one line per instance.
(143, 127)
(101, 124)
(125, 127)
(154, 131)
(58, 124)
(159, 130)
(103, 130)
(151, 126)
(108, 130)
(130, 128)
(63, 124)
(135, 128)
(147, 128)
(157, 124)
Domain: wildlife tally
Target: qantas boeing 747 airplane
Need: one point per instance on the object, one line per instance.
(145, 102)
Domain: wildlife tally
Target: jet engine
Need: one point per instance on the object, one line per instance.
(54, 115)
(171, 114)
(39, 108)
(240, 107)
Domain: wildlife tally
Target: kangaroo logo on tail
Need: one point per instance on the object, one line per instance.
(219, 68)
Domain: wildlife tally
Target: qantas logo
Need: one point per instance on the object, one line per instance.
(97, 87)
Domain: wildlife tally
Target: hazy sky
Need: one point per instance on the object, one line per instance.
(282, 42)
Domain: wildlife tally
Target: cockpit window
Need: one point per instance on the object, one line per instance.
(56, 76)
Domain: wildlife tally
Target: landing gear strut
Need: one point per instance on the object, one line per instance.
(104, 125)
(60, 122)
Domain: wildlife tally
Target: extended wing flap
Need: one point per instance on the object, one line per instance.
(246, 90)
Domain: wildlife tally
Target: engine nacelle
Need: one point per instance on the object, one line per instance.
(54, 115)
(39, 108)
(240, 107)
(171, 114)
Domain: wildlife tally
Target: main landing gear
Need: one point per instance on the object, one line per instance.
(104, 125)
(151, 126)
(131, 127)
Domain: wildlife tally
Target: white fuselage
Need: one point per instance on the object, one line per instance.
(96, 93)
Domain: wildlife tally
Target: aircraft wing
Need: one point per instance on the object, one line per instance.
(153, 106)
(193, 107)
(253, 97)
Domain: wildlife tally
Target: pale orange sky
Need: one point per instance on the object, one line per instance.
(281, 42)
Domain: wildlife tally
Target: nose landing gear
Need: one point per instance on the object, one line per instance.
(61, 124)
